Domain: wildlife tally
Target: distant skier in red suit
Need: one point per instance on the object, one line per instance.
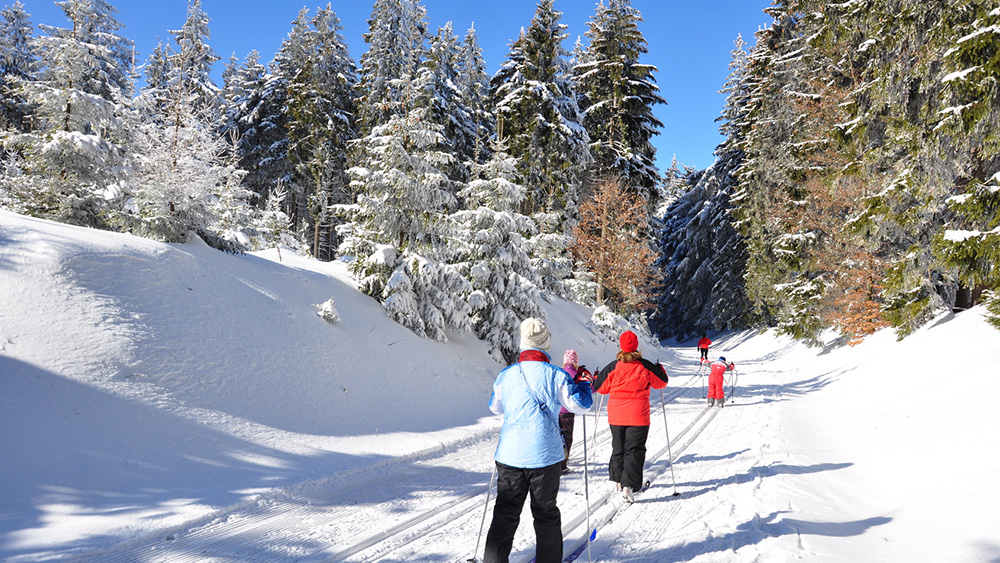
(703, 344)
(716, 389)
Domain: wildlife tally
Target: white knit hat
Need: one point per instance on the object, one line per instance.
(534, 334)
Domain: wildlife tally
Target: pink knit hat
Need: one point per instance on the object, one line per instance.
(570, 358)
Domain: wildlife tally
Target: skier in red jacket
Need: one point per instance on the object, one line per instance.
(627, 382)
(716, 389)
(703, 344)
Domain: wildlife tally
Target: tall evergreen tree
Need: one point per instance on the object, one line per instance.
(193, 58)
(538, 115)
(262, 133)
(539, 119)
(17, 64)
(320, 76)
(491, 250)
(79, 97)
(767, 174)
(397, 230)
(446, 102)
(397, 32)
(474, 87)
(970, 240)
(618, 95)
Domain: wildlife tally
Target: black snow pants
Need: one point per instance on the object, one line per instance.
(513, 485)
(567, 421)
(628, 455)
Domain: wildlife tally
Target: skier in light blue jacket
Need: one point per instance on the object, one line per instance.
(530, 453)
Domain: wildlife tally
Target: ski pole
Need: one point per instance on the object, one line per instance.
(597, 421)
(586, 483)
(736, 377)
(485, 507)
(670, 454)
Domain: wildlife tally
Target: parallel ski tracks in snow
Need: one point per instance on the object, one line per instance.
(326, 525)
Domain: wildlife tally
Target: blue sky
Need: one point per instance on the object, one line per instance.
(689, 41)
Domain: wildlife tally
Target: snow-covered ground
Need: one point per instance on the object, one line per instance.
(172, 403)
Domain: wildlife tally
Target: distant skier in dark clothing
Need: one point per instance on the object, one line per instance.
(627, 381)
(703, 344)
(567, 419)
(716, 388)
(530, 452)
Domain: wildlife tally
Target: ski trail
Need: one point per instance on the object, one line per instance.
(426, 508)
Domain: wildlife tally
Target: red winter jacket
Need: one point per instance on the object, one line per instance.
(627, 385)
(704, 342)
(719, 369)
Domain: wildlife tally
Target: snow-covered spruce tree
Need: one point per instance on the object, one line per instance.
(490, 249)
(321, 122)
(179, 170)
(262, 133)
(538, 117)
(75, 156)
(824, 259)
(396, 230)
(192, 59)
(17, 64)
(766, 177)
(234, 93)
(474, 86)
(618, 94)
(971, 242)
(897, 109)
(397, 32)
(447, 103)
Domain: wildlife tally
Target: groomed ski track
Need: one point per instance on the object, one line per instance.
(430, 508)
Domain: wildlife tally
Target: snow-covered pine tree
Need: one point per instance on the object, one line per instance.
(618, 94)
(894, 110)
(17, 64)
(396, 232)
(776, 286)
(397, 32)
(701, 255)
(320, 76)
(262, 134)
(447, 103)
(490, 249)
(179, 170)
(233, 94)
(538, 117)
(971, 241)
(157, 67)
(193, 58)
(75, 154)
(474, 87)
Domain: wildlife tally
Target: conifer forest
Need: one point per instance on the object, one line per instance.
(857, 188)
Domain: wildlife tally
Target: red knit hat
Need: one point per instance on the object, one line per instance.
(628, 341)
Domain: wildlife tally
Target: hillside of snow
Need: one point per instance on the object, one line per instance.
(168, 402)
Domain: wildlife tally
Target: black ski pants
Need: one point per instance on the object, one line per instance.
(513, 485)
(628, 455)
(567, 421)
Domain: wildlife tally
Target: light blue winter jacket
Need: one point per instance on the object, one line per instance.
(529, 437)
